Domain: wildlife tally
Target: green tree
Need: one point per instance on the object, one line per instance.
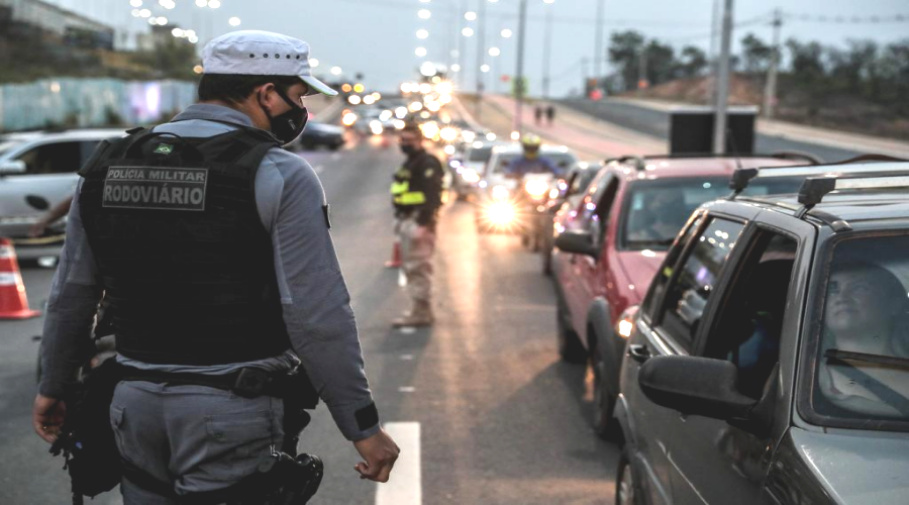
(624, 51)
(755, 54)
(661, 63)
(693, 62)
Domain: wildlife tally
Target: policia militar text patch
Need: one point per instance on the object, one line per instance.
(155, 188)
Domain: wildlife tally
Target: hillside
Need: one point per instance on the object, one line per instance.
(838, 112)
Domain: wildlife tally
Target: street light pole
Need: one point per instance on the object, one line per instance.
(722, 88)
(598, 55)
(481, 55)
(770, 90)
(519, 70)
(547, 43)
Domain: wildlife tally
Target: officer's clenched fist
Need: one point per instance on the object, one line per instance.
(380, 453)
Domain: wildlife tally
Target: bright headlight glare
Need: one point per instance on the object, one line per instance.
(536, 188)
(500, 214)
(500, 193)
(470, 176)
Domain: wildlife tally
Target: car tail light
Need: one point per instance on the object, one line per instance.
(625, 326)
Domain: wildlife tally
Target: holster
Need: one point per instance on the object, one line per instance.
(86, 438)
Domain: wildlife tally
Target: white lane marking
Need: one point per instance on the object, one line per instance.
(405, 486)
(407, 389)
(407, 357)
(318, 169)
(335, 156)
(408, 330)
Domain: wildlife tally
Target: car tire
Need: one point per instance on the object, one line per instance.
(603, 402)
(570, 348)
(627, 490)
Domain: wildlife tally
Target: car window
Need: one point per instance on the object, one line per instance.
(690, 290)
(658, 285)
(480, 154)
(863, 356)
(88, 148)
(750, 322)
(53, 158)
(581, 180)
(657, 210)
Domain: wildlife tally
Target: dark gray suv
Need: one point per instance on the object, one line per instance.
(769, 361)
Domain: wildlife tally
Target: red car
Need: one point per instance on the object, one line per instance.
(616, 241)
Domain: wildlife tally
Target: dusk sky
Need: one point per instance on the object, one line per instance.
(379, 37)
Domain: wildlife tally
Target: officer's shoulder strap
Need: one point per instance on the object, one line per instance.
(113, 148)
(243, 146)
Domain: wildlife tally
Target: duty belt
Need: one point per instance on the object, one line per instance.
(247, 382)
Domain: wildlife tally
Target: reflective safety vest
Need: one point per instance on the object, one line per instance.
(401, 194)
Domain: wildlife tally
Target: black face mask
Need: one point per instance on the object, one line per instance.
(409, 150)
(288, 126)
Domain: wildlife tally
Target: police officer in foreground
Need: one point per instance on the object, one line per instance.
(214, 254)
(417, 196)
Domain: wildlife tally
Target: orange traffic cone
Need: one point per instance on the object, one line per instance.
(395, 261)
(13, 302)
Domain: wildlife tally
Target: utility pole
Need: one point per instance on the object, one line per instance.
(519, 70)
(642, 68)
(547, 50)
(770, 89)
(722, 84)
(598, 53)
(710, 88)
(461, 44)
(481, 55)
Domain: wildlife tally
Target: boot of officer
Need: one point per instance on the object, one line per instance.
(417, 196)
(211, 244)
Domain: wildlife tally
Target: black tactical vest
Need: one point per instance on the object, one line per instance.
(185, 262)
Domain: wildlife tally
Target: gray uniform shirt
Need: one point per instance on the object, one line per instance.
(316, 304)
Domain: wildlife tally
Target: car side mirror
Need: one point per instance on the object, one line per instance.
(12, 167)
(578, 242)
(695, 385)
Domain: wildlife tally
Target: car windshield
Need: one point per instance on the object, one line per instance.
(7, 146)
(561, 160)
(480, 154)
(863, 356)
(657, 209)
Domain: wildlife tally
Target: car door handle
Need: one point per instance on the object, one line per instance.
(639, 353)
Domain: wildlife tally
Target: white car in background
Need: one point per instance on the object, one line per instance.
(38, 171)
(468, 166)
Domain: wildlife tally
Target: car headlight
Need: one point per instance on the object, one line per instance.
(376, 127)
(470, 176)
(536, 188)
(500, 193)
(500, 214)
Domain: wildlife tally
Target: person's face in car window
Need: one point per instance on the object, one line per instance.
(860, 301)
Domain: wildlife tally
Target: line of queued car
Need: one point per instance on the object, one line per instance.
(748, 345)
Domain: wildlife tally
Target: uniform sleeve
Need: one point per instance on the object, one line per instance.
(432, 178)
(74, 298)
(315, 299)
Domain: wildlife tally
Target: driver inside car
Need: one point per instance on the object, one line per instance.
(867, 311)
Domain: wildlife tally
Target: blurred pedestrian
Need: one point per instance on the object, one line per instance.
(538, 115)
(212, 245)
(59, 210)
(550, 115)
(417, 197)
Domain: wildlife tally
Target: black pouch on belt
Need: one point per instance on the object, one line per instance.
(86, 438)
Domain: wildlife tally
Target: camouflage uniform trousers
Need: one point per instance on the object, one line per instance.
(417, 248)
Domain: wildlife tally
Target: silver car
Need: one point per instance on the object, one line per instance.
(38, 171)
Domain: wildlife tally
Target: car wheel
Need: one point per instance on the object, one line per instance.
(603, 402)
(626, 487)
(570, 348)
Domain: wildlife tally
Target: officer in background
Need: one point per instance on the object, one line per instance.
(417, 196)
(531, 162)
(215, 265)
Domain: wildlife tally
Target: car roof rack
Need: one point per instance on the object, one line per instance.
(742, 177)
(814, 189)
(640, 162)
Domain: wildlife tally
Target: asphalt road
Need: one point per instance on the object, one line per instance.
(501, 419)
(656, 122)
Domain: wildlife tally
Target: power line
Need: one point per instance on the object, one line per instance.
(870, 19)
